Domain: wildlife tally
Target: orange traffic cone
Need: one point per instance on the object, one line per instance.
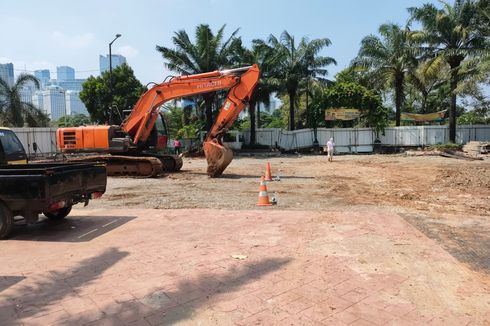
(268, 176)
(263, 195)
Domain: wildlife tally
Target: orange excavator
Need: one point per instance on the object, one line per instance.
(135, 147)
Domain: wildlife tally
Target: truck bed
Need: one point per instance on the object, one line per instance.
(34, 187)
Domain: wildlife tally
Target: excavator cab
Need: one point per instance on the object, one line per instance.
(159, 135)
(162, 132)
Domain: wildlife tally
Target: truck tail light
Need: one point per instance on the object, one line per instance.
(96, 195)
(57, 205)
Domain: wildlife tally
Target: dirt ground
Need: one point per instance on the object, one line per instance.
(447, 199)
(365, 240)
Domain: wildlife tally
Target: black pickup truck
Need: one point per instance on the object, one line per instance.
(50, 188)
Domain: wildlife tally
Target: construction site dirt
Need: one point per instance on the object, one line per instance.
(446, 199)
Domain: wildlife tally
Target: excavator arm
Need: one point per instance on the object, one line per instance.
(241, 82)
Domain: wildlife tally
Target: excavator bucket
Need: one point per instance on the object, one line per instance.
(218, 156)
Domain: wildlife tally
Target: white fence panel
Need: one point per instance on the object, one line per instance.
(353, 140)
(347, 140)
(436, 135)
(481, 133)
(45, 138)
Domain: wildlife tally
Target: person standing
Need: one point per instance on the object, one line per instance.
(330, 149)
(177, 146)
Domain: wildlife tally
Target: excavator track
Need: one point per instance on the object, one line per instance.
(170, 163)
(120, 165)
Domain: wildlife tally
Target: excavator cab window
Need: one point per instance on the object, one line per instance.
(162, 132)
(161, 125)
(159, 136)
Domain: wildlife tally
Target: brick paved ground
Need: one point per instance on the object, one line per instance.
(161, 267)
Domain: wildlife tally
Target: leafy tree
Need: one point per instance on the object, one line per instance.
(451, 35)
(174, 116)
(390, 57)
(73, 120)
(362, 76)
(126, 92)
(353, 95)
(278, 119)
(297, 63)
(15, 112)
(209, 52)
(472, 118)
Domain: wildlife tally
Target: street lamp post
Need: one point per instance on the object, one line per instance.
(110, 75)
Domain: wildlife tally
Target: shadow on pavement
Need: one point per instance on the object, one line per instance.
(33, 300)
(71, 229)
(169, 305)
(237, 176)
(469, 244)
(8, 281)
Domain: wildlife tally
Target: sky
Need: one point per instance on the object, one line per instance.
(46, 34)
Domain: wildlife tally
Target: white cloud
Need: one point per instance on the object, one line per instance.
(128, 51)
(74, 41)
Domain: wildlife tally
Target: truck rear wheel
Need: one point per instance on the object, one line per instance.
(6, 221)
(58, 214)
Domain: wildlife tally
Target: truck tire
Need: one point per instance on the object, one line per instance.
(58, 214)
(6, 221)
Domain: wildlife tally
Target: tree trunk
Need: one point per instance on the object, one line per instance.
(251, 111)
(292, 99)
(425, 95)
(208, 103)
(186, 116)
(257, 115)
(452, 107)
(398, 97)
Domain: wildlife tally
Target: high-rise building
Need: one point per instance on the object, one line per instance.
(43, 76)
(65, 73)
(26, 94)
(37, 101)
(71, 85)
(54, 103)
(74, 105)
(117, 60)
(7, 73)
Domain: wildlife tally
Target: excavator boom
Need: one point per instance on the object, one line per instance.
(241, 83)
(217, 154)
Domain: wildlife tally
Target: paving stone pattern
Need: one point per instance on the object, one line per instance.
(175, 267)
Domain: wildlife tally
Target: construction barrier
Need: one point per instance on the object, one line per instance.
(361, 140)
(347, 140)
(45, 139)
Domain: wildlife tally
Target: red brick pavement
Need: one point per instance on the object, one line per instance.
(160, 267)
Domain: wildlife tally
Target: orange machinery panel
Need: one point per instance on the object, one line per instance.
(83, 138)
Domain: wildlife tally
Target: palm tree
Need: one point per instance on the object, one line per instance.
(452, 35)
(209, 52)
(13, 111)
(265, 56)
(298, 63)
(427, 80)
(390, 58)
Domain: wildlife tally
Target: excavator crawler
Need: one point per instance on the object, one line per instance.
(136, 147)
